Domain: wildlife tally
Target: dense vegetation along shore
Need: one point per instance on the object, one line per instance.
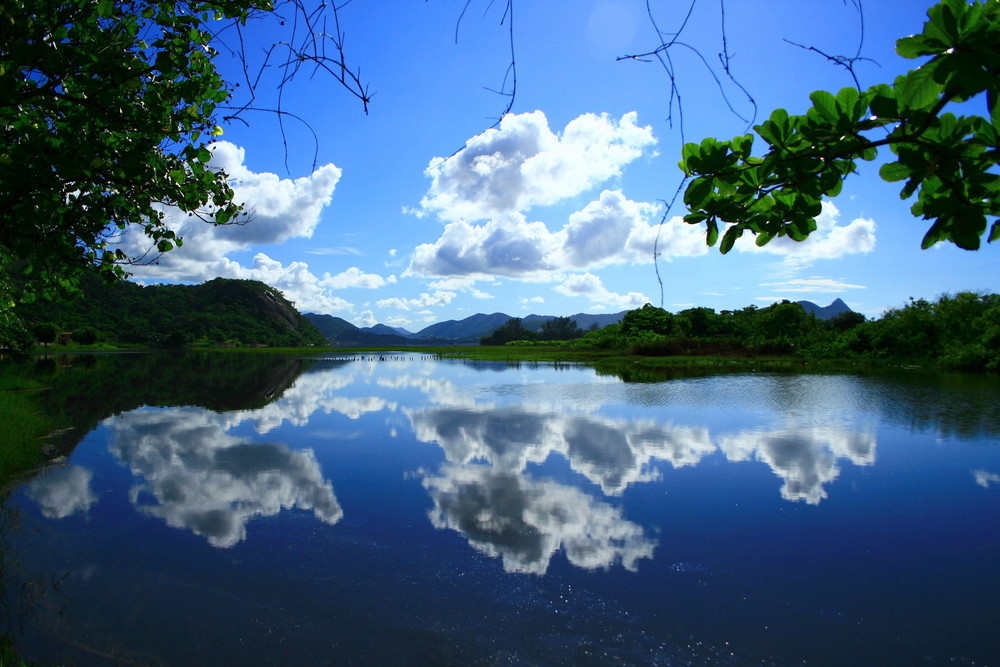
(959, 332)
(220, 312)
(956, 331)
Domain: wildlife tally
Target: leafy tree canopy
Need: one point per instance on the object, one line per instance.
(221, 311)
(559, 328)
(648, 318)
(512, 329)
(106, 110)
(948, 161)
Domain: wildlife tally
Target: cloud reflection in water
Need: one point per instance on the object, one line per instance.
(805, 458)
(61, 492)
(616, 453)
(612, 453)
(200, 478)
(525, 521)
(984, 478)
(209, 482)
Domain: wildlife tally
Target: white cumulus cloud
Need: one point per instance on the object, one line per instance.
(507, 245)
(592, 287)
(830, 240)
(522, 163)
(279, 209)
(609, 230)
(425, 300)
(355, 277)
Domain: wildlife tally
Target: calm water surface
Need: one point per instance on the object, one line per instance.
(408, 510)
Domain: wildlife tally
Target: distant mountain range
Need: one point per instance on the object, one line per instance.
(825, 312)
(341, 333)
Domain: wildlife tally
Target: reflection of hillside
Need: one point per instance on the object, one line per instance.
(525, 522)
(200, 478)
(86, 389)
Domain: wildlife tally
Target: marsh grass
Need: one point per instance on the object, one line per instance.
(24, 427)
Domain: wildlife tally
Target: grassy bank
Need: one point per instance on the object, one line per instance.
(24, 427)
(593, 356)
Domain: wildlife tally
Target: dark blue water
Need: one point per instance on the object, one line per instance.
(416, 511)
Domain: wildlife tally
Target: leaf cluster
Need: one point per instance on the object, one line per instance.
(514, 331)
(960, 331)
(948, 161)
(107, 109)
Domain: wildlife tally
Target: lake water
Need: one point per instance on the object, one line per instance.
(401, 509)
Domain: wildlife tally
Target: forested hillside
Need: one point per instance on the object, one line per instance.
(218, 312)
(959, 331)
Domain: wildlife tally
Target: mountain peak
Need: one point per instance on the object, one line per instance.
(825, 312)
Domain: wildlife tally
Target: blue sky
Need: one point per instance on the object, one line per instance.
(554, 211)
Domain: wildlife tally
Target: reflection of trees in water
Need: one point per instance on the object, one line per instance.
(950, 405)
(8, 598)
(21, 593)
(199, 478)
(83, 390)
(525, 522)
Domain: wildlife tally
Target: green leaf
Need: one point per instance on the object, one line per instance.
(774, 130)
(848, 103)
(918, 89)
(729, 238)
(690, 155)
(742, 146)
(914, 46)
(965, 239)
(763, 238)
(105, 8)
(994, 231)
(883, 102)
(911, 186)
(713, 232)
(698, 192)
(894, 171)
(935, 234)
(825, 104)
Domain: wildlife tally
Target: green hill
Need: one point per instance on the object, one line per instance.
(218, 312)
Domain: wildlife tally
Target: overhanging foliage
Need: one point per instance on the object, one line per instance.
(948, 161)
